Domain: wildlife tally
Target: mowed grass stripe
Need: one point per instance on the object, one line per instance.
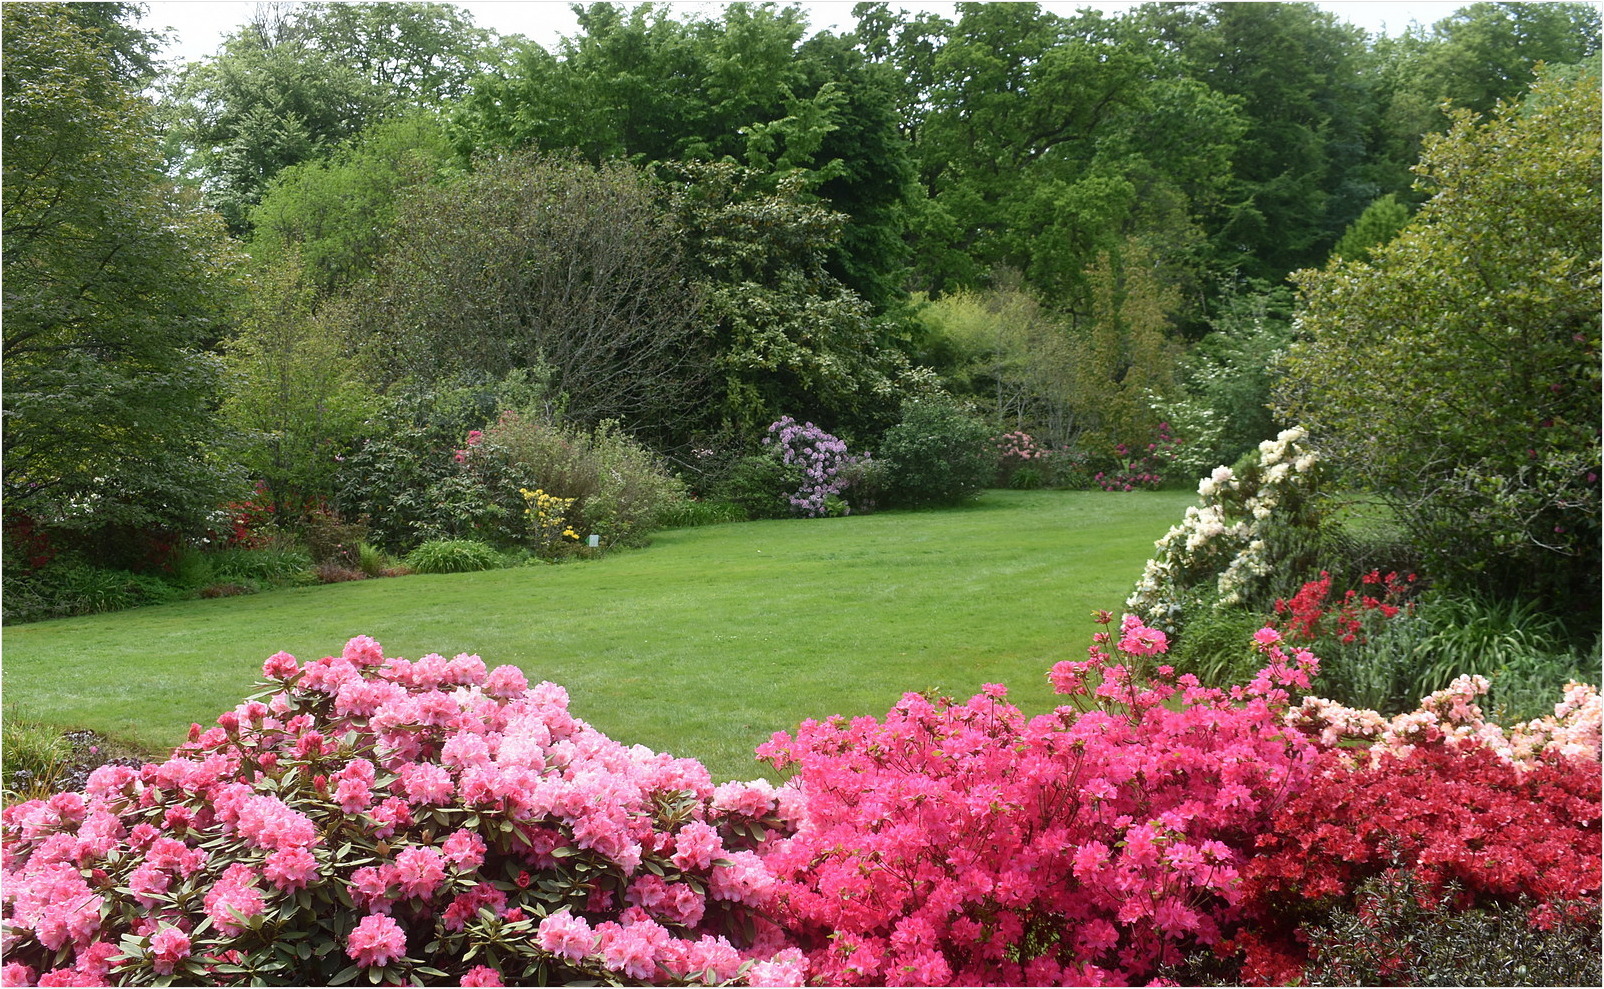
(702, 645)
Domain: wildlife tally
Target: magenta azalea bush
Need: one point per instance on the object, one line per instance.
(430, 822)
(964, 844)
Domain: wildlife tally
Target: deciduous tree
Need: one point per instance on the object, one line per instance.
(113, 286)
(1456, 372)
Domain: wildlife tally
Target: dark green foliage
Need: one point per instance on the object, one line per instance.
(544, 266)
(741, 88)
(403, 481)
(939, 454)
(760, 486)
(1392, 938)
(113, 287)
(71, 587)
(453, 556)
(784, 335)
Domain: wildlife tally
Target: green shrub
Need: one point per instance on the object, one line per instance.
(688, 513)
(279, 563)
(453, 556)
(1521, 648)
(939, 454)
(1211, 644)
(69, 587)
(760, 485)
(618, 487)
(371, 560)
(1399, 935)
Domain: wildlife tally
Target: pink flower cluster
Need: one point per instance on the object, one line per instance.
(1019, 446)
(368, 812)
(963, 844)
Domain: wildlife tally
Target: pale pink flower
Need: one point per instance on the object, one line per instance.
(377, 940)
(566, 936)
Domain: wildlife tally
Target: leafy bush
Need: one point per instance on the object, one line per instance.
(825, 465)
(1258, 523)
(1447, 317)
(939, 454)
(616, 487)
(691, 512)
(452, 556)
(425, 822)
(759, 485)
(68, 587)
(1398, 932)
(35, 757)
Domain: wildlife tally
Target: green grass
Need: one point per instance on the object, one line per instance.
(703, 644)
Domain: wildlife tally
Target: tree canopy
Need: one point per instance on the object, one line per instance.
(1456, 371)
(115, 286)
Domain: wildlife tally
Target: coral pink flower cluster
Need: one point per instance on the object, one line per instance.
(368, 812)
(1452, 717)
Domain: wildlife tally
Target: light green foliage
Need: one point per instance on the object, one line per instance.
(112, 288)
(1229, 372)
(617, 486)
(1456, 373)
(1126, 353)
(292, 401)
(297, 80)
(1006, 350)
(939, 454)
(453, 556)
(1379, 223)
(36, 757)
(338, 213)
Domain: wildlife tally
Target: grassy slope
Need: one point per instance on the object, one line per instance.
(702, 645)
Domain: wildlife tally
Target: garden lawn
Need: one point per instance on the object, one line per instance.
(703, 644)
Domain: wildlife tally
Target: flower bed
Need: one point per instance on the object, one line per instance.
(436, 822)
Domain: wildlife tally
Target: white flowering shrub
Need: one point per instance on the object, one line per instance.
(1226, 547)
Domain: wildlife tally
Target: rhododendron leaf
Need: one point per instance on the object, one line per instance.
(344, 975)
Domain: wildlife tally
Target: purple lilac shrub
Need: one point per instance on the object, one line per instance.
(823, 459)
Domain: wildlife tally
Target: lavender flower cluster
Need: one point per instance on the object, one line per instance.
(823, 459)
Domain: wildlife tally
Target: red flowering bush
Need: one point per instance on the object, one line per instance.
(1460, 819)
(1304, 617)
(963, 844)
(430, 822)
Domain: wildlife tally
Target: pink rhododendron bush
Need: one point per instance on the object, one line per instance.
(431, 822)
(383, 821)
